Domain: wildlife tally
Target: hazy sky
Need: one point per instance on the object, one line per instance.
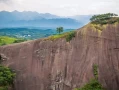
(62, 7)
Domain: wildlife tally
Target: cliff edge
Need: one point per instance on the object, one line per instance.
(60, 65)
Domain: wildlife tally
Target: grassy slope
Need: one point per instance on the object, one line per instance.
(63, 35)
(4, 40)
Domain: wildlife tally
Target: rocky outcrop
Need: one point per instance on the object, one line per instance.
(61, 65)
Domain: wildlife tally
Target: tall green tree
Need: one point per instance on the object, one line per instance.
(59, 29)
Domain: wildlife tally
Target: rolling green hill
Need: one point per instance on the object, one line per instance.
(5, 40)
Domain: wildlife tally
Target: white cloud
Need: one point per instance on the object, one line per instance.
(62, 7)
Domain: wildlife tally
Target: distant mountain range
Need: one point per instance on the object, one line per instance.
(35, 19)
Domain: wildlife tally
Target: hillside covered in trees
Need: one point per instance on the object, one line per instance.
(108, 18)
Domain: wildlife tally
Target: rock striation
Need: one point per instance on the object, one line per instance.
(60, 65)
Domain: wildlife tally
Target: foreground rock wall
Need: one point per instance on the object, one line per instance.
(60, 65)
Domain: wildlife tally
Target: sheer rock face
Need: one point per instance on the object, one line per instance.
(61, 65)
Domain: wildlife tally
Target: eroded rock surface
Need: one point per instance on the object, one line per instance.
(61, 65)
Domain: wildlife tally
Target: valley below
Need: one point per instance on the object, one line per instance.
(30, 33)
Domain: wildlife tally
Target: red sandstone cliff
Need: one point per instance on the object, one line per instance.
(61, 65)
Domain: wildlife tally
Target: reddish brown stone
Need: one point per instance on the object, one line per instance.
(61, 65)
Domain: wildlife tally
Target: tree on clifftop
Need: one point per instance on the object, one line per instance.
(104, 18)
(59, 29)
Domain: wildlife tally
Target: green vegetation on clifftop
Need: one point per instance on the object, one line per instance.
(108, 18)
(60, 29)
(68, 36)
